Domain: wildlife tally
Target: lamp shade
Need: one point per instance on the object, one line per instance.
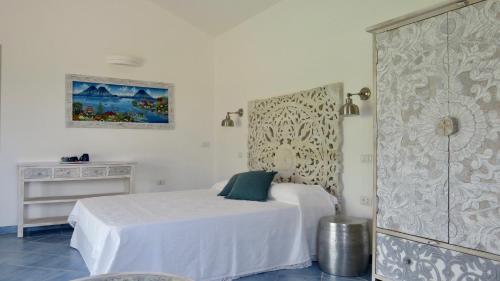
(349, 108)
(227, 122)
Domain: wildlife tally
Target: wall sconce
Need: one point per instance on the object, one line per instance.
(349, 108)
(124, 60)
(228, 122)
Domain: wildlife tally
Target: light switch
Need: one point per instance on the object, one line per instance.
(365, 200)
(366, 158)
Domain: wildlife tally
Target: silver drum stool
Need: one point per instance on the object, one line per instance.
(343, 245)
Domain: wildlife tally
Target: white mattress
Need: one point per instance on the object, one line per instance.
(196, 234)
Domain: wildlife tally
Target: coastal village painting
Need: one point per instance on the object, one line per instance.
(118, 103)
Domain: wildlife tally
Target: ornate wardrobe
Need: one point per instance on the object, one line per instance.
(437, 215)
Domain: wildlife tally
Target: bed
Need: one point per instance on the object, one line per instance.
(203, 236)
(198, 234)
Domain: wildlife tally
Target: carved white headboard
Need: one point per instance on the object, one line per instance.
(299, 136)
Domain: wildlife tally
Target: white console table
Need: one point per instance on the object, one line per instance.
(56, 172)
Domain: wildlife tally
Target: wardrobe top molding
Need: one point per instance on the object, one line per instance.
(420, 15)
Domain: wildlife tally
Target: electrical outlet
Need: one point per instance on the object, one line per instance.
(240, 155)
(365, 200)
(366, 158)
(160, 182)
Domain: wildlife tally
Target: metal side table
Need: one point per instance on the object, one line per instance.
(343, 245)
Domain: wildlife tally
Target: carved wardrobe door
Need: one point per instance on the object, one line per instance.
(412, 158)
(475, 149)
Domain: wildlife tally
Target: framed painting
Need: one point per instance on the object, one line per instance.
(99, 102)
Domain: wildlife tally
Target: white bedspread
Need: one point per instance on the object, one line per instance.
(196, 233)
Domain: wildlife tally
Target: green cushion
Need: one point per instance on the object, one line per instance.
(229, 186)
(253, 186)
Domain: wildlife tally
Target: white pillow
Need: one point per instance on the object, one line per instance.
(219, 186)
(286, 192)
(292, 193)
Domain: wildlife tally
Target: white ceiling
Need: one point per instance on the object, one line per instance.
(215, 16)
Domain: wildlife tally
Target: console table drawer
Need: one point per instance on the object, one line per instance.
(119, 171)
(37, 173)
(93, 172)
(64, 173)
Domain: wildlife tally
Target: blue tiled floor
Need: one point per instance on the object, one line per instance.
(48, 257)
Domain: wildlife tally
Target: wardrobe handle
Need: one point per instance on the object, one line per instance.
(447, 126)
(433, 243)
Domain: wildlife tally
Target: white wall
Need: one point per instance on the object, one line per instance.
(295, 45)
(43, 40)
